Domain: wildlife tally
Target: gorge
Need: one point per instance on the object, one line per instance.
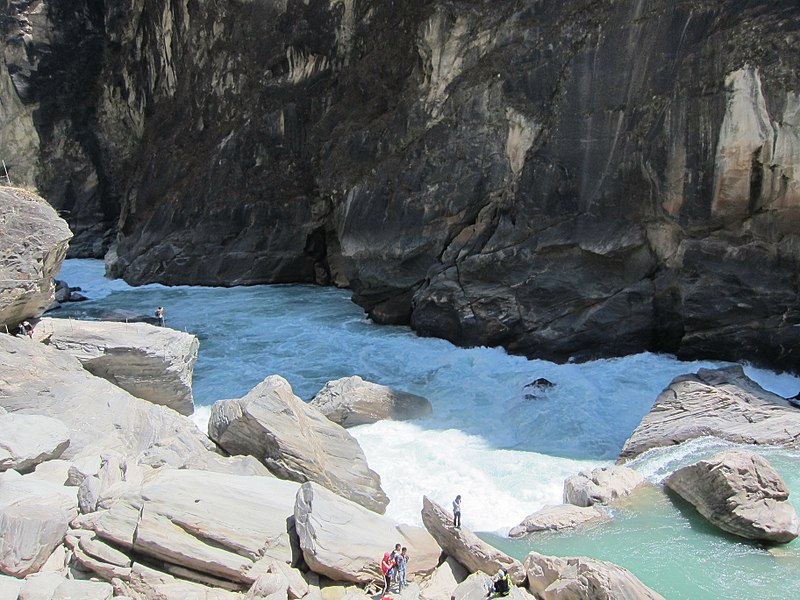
(565, 180)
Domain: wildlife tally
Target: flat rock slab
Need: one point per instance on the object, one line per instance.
(213, 523)
(152, 363)
(295, 441)
(741, 493)
(345, 541)
(351, 401)
(28, 440)
(723, 403)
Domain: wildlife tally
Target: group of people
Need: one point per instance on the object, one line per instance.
(393, 567)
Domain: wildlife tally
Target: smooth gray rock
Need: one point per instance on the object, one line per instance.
(601, 485)
(34, 516)
(27, 440)
(476, 585)
(556, 518)
(741, 493)
(723, 403)
(582, 578)
(465, 547)
(444, 579)
(219, 525)
(53, 586)
(351, 401)
(146, 582)
(152, 363)
(344, 541)
(34, 241)
(100, 416)
(295, 441)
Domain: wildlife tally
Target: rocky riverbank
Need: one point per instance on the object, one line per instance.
(107, 493)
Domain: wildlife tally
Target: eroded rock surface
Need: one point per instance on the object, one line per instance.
(741, 493)
(295, 441)
(556, 518)
(643, 193)
(153, 363)
(601, 486)
(724, 403)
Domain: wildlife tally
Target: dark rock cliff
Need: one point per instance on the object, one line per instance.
(566, 179)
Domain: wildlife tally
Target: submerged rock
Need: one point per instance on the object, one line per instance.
(741, 493)
(723, 403)
(351, 401)
(295, 441)
(556, 518)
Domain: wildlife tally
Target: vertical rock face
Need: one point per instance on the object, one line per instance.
(564, 179)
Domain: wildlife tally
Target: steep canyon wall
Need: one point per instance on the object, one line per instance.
(565, 179)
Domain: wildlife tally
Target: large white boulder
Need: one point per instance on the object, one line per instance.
(224, 526)
(601, 485)
(723, 403)
(27, 440)
(351, 401)
(581, 578)
(153, 363)
(295, 441)
(346, 542)
(741, 493)
(466, 547)
(53, 586)
(33, 244)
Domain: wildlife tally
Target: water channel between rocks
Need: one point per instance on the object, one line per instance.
(506, 448)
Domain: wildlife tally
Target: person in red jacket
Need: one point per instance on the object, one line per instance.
(387, 568)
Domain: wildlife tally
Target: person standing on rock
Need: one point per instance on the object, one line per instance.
(401, 560)
(160, 315)
(457, 512)
(387, 568)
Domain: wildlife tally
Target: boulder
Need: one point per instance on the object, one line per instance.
(351, 401)
(601, 485)
(443, 580)
(466, 547)
(34, 241)
(741, 493)
(344, 541)
(100, 416)
(34, 516)
(10, 587)
(152, 363)
(27, 440)
(476, 587)
(581, 578)
(295, 441)
(723, 403)
(556, 518)
(224, 526)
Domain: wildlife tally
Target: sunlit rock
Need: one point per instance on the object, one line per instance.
(295, 441)
(351, 401)
(741, 493)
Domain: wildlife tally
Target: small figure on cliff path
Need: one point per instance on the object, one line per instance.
(457, 512)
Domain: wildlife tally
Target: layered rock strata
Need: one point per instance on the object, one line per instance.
(152, 363)
(723, 403)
